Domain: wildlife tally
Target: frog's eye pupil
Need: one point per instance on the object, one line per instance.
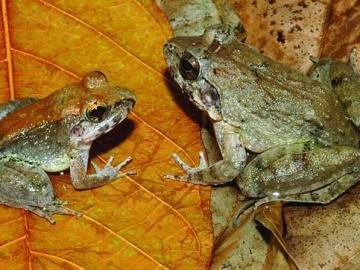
(189, 67)
(97, 114)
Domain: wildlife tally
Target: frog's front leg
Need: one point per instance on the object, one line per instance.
(223, 171)
(78, 170)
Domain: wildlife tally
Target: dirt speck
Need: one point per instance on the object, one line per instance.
(281, 37)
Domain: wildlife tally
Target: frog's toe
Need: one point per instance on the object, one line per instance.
(181, 163)
(41, 212)
(190, 171)
(67, 211)
(202, 163)
(124, 163)
(183, 178)
(128, 173)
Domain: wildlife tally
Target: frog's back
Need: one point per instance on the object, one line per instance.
(50, 109)
(276, 105)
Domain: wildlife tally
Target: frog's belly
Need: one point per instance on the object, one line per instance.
(57, 164)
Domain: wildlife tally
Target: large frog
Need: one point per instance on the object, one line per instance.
(54, 134)
(306, 145)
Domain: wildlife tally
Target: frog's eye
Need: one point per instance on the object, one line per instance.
(189, 67)
(338, 80)
(210, 97)
(97, 114)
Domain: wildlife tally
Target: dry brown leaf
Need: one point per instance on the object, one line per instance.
(326, 237)
(289, 31)
(248, 245)
(343, 29)
(143, 222)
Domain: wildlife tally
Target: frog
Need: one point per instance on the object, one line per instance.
(303, 144)
(53, 134)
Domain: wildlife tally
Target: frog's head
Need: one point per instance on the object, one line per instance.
(102, 107)
(190, 66)
(335, 73)
(321, 70)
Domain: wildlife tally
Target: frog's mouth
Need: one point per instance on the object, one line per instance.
(87, 131)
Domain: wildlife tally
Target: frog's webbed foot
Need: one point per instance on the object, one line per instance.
(190, 170)
(112, 171)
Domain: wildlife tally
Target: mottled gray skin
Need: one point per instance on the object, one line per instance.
(54, 134)
(307, 146)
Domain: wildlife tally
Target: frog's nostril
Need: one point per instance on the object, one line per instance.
(127, 102)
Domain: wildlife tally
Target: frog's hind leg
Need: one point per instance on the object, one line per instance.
(49, 211)
(323, 195)
(300, 173)
(23, 185)
(42, 212)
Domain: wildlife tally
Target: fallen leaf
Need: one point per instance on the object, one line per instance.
(342, 31)
(289, 31)
(142, 222)
(249, 245)
(325, 237)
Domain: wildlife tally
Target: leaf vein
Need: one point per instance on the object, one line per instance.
(125, 240)
(102, 34)
(8, 49)
(46, 255)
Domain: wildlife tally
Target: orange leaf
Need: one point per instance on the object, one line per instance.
(142, 222)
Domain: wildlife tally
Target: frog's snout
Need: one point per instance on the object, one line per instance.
(129, 103)
(127, 100)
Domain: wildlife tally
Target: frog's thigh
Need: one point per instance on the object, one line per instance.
(324, 195)
(297, 168)
(23, 185)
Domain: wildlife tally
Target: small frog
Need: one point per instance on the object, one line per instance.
(54, 134)
(344, 79)
(306, 146)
